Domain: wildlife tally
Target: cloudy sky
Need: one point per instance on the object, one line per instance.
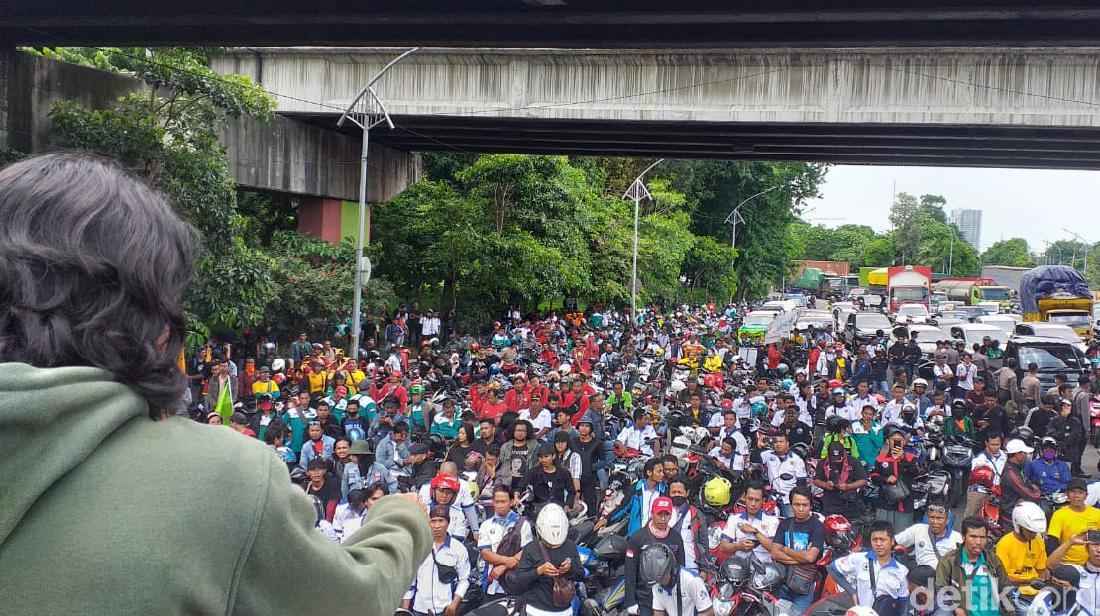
(1033, 204)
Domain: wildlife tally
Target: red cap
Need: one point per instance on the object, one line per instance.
(662, 504)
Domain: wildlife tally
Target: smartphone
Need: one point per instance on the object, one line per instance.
(568, 561)
(1093, 536)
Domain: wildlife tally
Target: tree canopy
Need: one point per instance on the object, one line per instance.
(1011, 252)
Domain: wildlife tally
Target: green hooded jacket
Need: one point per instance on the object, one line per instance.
(105, 511)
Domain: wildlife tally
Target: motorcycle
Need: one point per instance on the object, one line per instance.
(748, 587)
(604, 588)
(957, 456)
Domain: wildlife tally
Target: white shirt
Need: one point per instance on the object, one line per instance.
(889, 580)
(803, 417)
(891, 411)
(538, 422)
(716, 455)
(464, 500)
(346, 521)
(848, 411)
(790, 464)
(856, 403)
(429, 326)
(918, 537)
(632, 438)
(763, 522)
(1088, 591)
(686, 533)
(491, 532)
(694, 597)
(966, 376)
(997, 463)
(428, 594)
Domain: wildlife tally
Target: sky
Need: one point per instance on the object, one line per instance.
(1035, 204)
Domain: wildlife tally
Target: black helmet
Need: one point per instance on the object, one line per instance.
(1023, 433)
(736, 570)
(835, 424)
(657, 562)
(611, 549)
(890, 429)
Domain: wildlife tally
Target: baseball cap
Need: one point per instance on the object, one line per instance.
(662, 504)
(1077, 483)
(418, 448)
(1017, 446)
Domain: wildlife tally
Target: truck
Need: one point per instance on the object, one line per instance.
(1057, 294)
(864, 272)
(809, 280)
(973, 291)
(908, 284)
(1004, 275)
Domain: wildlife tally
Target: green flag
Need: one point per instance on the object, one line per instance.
(225, 404)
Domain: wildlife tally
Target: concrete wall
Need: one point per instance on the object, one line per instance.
(1037, 87)
(283, 155)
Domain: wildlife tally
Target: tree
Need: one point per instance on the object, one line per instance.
(944, 250)
(879, 252)
(906, 220)
(1011, 252)
(931, 207)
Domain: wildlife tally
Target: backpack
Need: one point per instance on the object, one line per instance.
(510, 545)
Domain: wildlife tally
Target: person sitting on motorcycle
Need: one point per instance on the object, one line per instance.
(798, 540)
(1039, 418)
(1047, 471)
(1015, 486)
(989, 418)
(736, 541)
(677, 591)
(932, 539)
(639, 598)
(862, 397)
(892, 466)
(909, 421)
(691, 387)
(795, 430)
(839, 406)
(493, 530)
(686, 519)
(877, 578)
(785, 471)
(1073, 519)
(549, 481)
(636, 505)
(1023, 551)
(725, 453)
(444, 577)
(841, 478)
(447, 489)
(697, 411)
(620, 401)
(637, 438)
(993, 457)
(937, 405)
(550, 556)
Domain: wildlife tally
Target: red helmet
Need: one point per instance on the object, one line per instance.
(982, 476)
(834, 383)
(446, 481)
(396, 373)
(727, 403)
(838, 532)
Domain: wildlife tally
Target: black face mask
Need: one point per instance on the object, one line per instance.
(679, 501)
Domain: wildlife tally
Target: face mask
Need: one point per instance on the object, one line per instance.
(679, 501)
(1049, 455)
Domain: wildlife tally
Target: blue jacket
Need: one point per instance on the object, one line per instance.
(632, 506)
(354, 480)
(1050, 477)
(327, 443)
(385, 454)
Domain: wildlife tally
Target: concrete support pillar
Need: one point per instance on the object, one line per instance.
(320, 217)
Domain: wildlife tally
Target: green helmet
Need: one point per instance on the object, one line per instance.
(416, 389)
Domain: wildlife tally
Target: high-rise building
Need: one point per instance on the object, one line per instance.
(969, 223)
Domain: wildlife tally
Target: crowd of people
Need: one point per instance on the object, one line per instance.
(509, 439)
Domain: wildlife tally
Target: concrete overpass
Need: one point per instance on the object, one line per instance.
(971, 107)
(553, 23)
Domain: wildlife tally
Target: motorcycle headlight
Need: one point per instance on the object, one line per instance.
(722, 607)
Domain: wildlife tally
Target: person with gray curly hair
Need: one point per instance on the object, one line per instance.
(113, 505)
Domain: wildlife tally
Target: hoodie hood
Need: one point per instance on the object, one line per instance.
(51, 420)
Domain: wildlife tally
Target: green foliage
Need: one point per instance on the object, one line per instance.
(879, 252)
(1011, 252)
(944, 250)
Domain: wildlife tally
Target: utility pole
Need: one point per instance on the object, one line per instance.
(735, 219)
(636, 193)
(1085, 269)
(951, 255)
(366, 111)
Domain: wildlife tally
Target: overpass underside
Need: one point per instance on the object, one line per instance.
(954, 145)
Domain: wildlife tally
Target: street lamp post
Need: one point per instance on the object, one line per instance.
(1083, 241)
(362, 112)
(735, 218)
(637, 192)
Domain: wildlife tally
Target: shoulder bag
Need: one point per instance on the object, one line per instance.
(563, 590)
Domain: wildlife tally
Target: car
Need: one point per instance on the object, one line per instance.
(974, 333)
(990, 307)
(911, 313)
(927, 336)
(842, 305)
(817, 318)
(783, 305)
(1052, 355)
(861, 327)
(945, 323)
(1005, 321)
(971, 312)
(754, 326)
(1051, 330)
(842, 318)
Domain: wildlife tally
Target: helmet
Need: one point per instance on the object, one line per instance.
(278, 365)
(835, 384)
(908, 406)
(759, 409)
(860, 610)
(835, 424)
(736, 570)
(782, 369)
(552, 525)
(1023, 433)
(446, 481)
(416, 389)
(838, 533)
(1029, 516)
(657, 562)
(1048, 442)
(397, 373)
(767, 576)
(475, 347)
(716, 491)
(838, 391)
(786, 384)
(890, 429)
(920, 381)
(981, 476)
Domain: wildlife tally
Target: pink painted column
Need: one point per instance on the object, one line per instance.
(320, 217)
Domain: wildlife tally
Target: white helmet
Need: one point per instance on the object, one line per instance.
(920, 381)
(278, 365)
(677, 386)
(680, 446)
(552, 525)
(860, 610)
(565, 368)
(1028, 516)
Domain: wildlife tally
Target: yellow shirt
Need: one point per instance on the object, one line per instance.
(270, 387)
(317, 382)
(1066, 523)
(354, 376)
(1022, 561)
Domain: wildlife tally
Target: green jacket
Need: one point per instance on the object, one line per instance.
(105, 511)
(949, 573)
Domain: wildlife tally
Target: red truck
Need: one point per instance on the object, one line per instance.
(909, 284)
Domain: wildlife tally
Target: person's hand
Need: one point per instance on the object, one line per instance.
(841, 486)
(600, 523)
(513, 562)
(748, 529)
(829, 485)
(548, 570)
(565, 568)
(632, 610)
(451, 609)
(744, 545)
(892, 480)
(1080, 538)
